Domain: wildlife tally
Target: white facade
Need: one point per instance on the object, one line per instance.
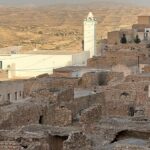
(29, 65)
(149, 91)
(90, 34)
(147, 34)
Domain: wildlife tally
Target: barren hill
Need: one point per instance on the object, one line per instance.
(60, 27)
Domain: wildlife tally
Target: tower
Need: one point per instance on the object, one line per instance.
(90, 34)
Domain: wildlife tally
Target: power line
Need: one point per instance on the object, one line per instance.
(33, 69)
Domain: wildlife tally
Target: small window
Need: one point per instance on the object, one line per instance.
(1, 65)
(131, 111)
(41, 120)
(20, 94)
(15, 95)
(8, 96)
(146, 88)
(23, 95)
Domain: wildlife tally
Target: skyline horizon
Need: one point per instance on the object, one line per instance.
(56, 2)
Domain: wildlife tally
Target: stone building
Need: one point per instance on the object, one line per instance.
(141, 29)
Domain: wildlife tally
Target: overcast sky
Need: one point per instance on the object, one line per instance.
(45, 2)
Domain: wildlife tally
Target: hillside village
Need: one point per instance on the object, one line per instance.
(101, 105)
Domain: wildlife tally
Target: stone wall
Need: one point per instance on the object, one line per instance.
(10, 145)
(128, 58)
(92, 79)
(89, 79)
(63, 116)
(129, 147)
(122, 68)
(137, 78)
(35, 84)
(11, 91)
(58, 116)
(118, 102)
(82, 103)
(77, 141)
(54, 95)
(20, 114)
(91, 114)
(114, 37)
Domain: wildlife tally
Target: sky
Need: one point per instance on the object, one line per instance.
(47, 2)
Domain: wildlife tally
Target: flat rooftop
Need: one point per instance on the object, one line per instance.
(78, 68)
(82, 92)
(52, 52)
(18, 50)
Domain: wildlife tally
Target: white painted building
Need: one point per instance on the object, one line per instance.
(28, 65)
(90, 34)
(147, 34)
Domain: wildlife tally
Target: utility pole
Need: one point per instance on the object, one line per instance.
(139, 63)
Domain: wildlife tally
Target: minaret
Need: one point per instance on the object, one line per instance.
(90, 34)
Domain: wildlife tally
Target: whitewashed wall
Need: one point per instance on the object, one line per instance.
(90, 37)
(28, 65)
(80, 58)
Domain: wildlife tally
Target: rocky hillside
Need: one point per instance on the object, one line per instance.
(61, 27)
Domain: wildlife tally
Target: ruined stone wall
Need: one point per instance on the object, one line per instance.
(35, 84)
(10, 145)
(117, 102)
(91, 114)
(77, 141)
(58, 116)
(137, 78)
(140, 88)
(129, 147)
(128, 58)
(11, 91)
(110, 77)
(62, 116)
(122, 68)
(54, 95)
(92, 79)
(137, 86)
(66, 95)
(15, 115)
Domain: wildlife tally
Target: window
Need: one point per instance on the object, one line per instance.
(131, 111)
(20, 93)
(41, 120)
(1, 64)
(15, 95)
(8, 96)
(23, 95)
